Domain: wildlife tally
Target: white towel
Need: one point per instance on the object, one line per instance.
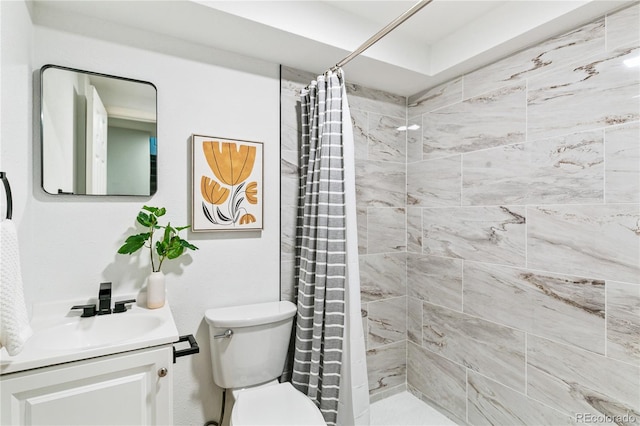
(14, 322)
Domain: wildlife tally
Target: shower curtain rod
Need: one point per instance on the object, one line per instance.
(383, 32)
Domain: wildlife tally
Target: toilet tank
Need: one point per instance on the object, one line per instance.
(256, 351)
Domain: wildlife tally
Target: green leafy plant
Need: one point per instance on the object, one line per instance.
(170, 246)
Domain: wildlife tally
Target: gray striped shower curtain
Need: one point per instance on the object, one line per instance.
(321, 260)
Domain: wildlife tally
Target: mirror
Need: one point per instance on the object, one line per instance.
(98, 133)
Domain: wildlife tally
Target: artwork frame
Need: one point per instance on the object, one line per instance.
(227, 181)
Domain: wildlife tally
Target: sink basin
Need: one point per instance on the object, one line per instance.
(84, 333)
(61, 336)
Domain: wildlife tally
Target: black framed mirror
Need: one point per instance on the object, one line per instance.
(98, 133)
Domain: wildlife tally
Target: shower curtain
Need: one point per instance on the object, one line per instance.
(329, 360)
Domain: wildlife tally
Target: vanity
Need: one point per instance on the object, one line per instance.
(111, 369)
(98, 361)
(94, 362)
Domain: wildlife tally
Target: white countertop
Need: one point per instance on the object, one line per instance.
(40, 350)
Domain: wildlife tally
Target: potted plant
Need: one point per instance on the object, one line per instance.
(168, 246)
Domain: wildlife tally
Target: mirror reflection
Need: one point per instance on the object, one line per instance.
(98, 133)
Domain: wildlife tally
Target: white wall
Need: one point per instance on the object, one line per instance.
(69, 244)
(15, 90)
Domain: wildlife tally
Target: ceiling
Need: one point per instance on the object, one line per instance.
(443, 40)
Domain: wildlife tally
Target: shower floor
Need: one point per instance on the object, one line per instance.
(404, 409)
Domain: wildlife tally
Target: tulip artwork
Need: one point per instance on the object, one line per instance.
(227, 184)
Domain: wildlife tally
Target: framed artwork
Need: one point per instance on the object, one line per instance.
(227, 184)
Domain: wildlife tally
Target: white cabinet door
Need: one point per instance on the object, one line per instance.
(124, 389)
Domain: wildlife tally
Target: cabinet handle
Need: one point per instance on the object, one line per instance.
(162, 372)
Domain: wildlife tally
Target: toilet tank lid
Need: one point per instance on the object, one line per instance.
(249, 315)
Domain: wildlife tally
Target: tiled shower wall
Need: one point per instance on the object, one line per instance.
(500, 243)
(523, 210)
(380, 196)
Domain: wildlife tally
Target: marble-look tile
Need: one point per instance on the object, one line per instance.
(414, 230)
(360, 125)
(490, 403)
(576, 381)
(387, 367)
(291, 82)
(434, 183)
(382, 276)
(414, 139)
(290, 124)
(289, 180)
(582, 42)
(497, 175)
(491, 349)
(623, 27)
(486, 234)
(560, 307)
(441, 381)
(584, 95)
(623, 321)
(437, 97)
(440, 416)
(380, 183)
(386, 142)
(361, 98)
(293, 78)
(362, 219)
(288, 281)
(386, 230)
(597, 241)
(379, 396)
(436, 280)
(494, 119)
(387, 321)
(567, 169)
(372, 100)
(288, 220)
(414, 320)
(622, 164)
(364, 311)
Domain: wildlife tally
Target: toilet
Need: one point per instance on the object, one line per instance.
(249, 347)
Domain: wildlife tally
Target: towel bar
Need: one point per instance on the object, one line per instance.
(192, 349)
(7, 190)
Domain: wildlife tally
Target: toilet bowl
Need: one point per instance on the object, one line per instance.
(279, 404)
(249, 347)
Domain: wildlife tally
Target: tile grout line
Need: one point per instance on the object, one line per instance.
(606, 322)
(526, 207)
(545, 404)
(461, 178)
(604, 166)
(604, 203)
(462, 286)
(526, 364)
(406, 237)
(466, 390)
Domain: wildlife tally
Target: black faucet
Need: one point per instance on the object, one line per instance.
(104, 299)
(87, 310)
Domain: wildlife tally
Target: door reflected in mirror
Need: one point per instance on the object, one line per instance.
(98, 132)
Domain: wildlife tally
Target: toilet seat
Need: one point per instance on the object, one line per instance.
(279, 404)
